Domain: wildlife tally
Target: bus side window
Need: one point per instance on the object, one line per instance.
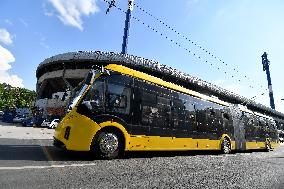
(117, 101)
(164, 108)
(200, 111)
(178, 111)
(190, 116)
(149, 108)
(118, 98)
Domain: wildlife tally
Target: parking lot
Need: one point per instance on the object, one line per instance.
(17, 131)
(29, 160)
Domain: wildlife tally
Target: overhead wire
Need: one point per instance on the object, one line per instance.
(181, 46)
(236, 69)
(252, 99)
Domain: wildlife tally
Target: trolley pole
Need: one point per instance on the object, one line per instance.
(266, 63)
(126, 27)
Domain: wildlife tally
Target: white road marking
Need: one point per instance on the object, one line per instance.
(225, 155)
(47, 166)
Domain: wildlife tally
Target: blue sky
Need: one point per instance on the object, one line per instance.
(236, 31)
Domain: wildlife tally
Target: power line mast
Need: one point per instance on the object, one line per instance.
(126, 27)
(266, 63)
(127, 22)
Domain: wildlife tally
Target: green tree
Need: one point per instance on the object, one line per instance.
(13, 97)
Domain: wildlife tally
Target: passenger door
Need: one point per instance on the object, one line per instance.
(180, 129)
(239, 121)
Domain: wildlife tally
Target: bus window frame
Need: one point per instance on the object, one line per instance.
(92, 76)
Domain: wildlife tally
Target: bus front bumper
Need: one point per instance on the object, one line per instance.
(57, 143)
(75, 132)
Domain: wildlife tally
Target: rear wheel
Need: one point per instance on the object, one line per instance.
(107, 145)
(226, 146)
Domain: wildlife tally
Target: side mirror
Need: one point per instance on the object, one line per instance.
(104, 71)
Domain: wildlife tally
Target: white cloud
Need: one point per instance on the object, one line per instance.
(5, 37)
(6, 58)
(46, 11)
(12, 80)
(71, 11)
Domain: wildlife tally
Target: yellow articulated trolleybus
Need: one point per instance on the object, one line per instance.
(132, 105)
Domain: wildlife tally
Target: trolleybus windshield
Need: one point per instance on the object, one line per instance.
(93, 74)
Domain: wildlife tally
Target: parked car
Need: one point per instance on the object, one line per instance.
(18, 119)
(27, 122)
(45, 123)
(281, 137)
(1, 114)
(37, 121)
(54, 124)
(8, 116)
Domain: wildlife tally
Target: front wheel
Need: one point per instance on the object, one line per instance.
(107, 145)
(226, 146)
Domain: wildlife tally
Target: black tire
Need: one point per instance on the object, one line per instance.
(226, 146)
(107, 145)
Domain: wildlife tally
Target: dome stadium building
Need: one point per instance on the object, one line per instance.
(58, 75)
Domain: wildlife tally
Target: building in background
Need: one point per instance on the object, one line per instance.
(59, 76)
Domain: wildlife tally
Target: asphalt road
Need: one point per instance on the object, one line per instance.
(32, 162)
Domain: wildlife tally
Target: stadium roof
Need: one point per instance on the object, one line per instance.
(89, 58)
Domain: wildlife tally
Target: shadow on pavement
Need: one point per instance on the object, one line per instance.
(44, 151)
(55, 154)
(36, 152)
(22, 152)
(152, 154)
(51, 153)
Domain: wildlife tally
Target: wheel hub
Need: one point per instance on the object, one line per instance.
(226, 146)
(108, 143)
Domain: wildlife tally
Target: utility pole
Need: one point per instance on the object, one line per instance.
(266, 63)
(126, 27)
(127, 23)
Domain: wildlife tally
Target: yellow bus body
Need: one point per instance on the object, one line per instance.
(83, 129)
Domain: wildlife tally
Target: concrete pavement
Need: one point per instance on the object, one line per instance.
(28, 160)
(16, 131)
